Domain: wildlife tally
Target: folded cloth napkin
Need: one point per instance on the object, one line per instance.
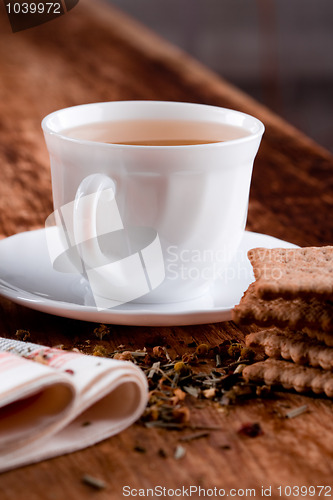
(54, 402)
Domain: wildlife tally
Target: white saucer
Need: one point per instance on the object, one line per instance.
(27, 277)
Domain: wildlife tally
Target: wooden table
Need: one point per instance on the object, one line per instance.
(94, 53)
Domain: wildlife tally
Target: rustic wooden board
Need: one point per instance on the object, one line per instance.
(94, 53)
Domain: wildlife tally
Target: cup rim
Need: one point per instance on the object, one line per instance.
(258, 126)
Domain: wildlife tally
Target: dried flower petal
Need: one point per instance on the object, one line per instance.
(209, 393)
(234, 351)
(99, 350)
(101, 331)
(181, 395)
(189, 358)
(181, 368)
(123, 356)
(159, 352)
(202, 350)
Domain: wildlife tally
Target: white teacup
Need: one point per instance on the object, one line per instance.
(159, 218)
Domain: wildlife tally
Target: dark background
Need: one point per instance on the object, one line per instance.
(279, 51)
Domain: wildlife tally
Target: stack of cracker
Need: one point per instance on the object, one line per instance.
(292, 298)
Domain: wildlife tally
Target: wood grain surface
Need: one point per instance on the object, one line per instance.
(95, 53)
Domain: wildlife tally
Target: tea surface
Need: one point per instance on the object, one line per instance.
(156, 132)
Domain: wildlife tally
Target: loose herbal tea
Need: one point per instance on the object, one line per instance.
(203, 373)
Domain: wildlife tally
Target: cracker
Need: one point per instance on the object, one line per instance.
(295, 314)
(274, 372)
(324, 337)
(292, 346)
(293, 272)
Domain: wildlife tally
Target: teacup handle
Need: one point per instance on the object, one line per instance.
(95, 213)
(127, 277)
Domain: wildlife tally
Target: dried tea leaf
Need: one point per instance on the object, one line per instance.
(180, 452)
(195, 435)
(297, 411)
(94, 482)
(154, 369)
(193, 391)
(251, 430)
